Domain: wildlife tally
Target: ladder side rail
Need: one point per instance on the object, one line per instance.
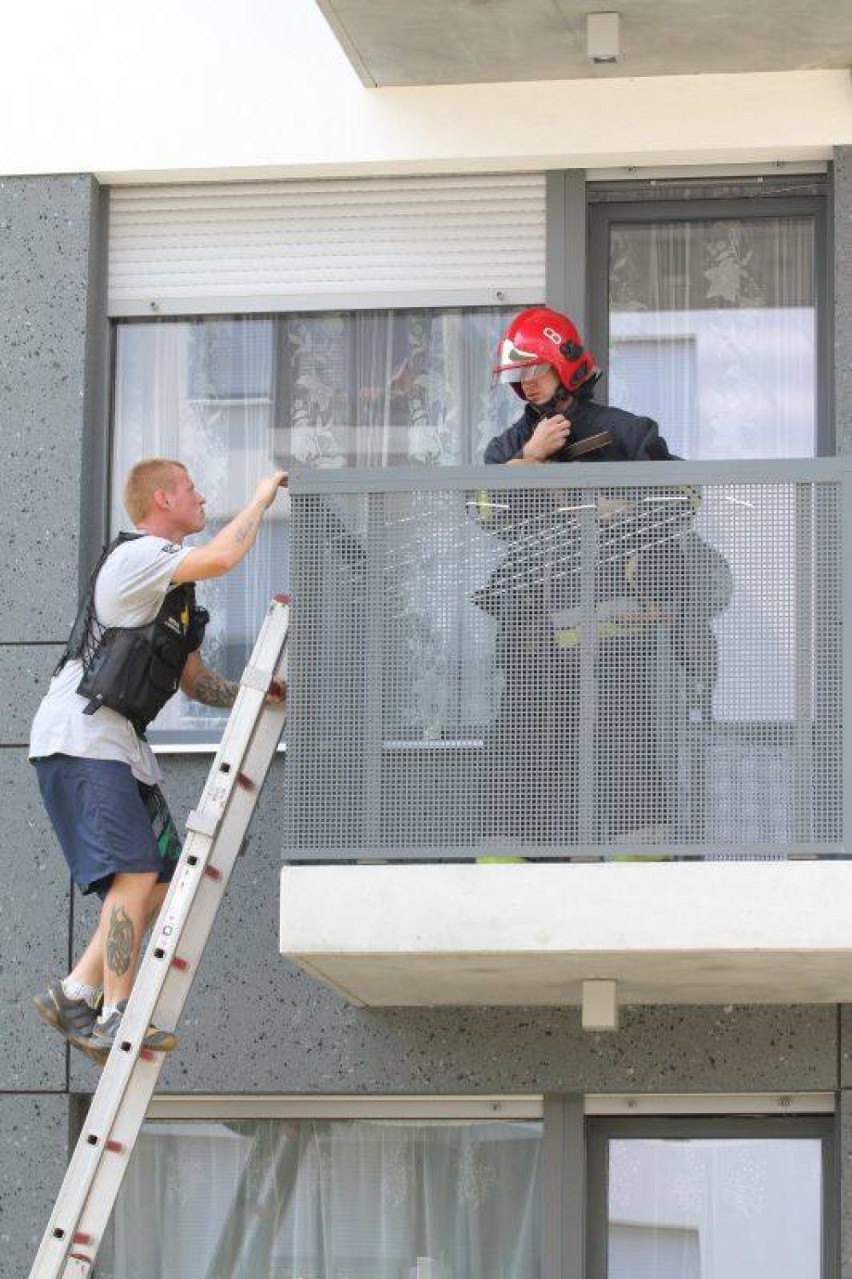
(107, 1131)
(229, 840)
(263, 665)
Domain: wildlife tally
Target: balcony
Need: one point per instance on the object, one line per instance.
(492, 666)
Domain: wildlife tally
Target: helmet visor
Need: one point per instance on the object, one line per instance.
(514, 364)
(523, 372)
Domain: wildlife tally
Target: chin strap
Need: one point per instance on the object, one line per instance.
(561, 401)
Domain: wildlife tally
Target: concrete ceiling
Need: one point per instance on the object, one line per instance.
(429, 42)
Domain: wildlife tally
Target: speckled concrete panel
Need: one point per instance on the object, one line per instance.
(255, 1023)
(844, 1164)
(845, 1019)
(843, 297)
(33, 930)
(33, 1138)
(44, 285)
(25, 671)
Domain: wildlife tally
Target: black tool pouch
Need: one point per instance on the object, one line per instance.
(134, 671)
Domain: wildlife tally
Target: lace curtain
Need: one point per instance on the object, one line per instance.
(712, 327)
(279, 1199)
(233, 397)
(712, 332)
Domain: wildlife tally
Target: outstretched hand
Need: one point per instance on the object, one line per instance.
(269, 486)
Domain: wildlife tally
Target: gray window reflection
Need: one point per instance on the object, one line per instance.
(715, 1209)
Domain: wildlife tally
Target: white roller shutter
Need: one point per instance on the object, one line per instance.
(361, 242)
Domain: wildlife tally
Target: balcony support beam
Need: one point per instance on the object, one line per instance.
(600, 1005)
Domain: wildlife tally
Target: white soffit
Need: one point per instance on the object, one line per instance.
(527, 934)
(319, 245)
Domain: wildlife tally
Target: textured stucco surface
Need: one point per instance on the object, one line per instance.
(25, 671)
(33, 1138)
(843, 297)
(34, 932)
(844, 1162)
(44, 293)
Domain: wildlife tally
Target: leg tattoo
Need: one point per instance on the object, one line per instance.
(120, 941)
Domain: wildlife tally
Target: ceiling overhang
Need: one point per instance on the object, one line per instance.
(534, 934)
(406, 42)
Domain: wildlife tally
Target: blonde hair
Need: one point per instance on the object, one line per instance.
(142, 482)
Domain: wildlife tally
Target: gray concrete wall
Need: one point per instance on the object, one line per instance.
(52, 333)
(34, 1140)
(49, 301)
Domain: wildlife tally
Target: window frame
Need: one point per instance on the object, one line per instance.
(575, 1128)
(601, 1130)
(604, 214)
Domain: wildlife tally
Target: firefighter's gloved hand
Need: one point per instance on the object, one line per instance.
(277, 691)
(548, 438)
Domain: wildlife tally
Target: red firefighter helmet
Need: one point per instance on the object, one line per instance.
(542, 336)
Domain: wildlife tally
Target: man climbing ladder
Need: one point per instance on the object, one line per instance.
(215, 834)
(135, 641)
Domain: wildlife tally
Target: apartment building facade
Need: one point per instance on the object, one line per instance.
(433, 1045)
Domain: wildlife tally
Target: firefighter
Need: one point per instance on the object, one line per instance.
(534, 762)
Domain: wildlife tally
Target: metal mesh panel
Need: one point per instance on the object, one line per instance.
(482, 667)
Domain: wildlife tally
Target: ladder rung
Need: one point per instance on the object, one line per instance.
(255, 677)
(202, 823)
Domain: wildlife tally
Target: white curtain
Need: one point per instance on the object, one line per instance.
(712, 332)
(275, 1199)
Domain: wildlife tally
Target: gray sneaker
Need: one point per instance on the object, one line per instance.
(73, 1018)
(104, 1034)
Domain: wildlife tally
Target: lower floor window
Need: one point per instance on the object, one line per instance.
(473, 1197)
(743, 1202)
(330, 1199)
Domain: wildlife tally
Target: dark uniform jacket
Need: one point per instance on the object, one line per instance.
(634, 439)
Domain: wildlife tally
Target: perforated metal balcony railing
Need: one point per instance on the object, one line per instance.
(607, 660)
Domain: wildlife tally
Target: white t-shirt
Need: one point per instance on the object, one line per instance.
(129, 591)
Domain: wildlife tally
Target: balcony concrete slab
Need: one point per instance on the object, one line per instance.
(527, 935)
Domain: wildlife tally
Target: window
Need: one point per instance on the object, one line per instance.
(330, 1198)
(707, 315)
(710, 1199)
(234, 396)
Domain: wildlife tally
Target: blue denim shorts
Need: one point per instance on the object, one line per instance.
(106, 821)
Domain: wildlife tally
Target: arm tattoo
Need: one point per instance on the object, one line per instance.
(120, 941)
(213, 690)
(245, 530)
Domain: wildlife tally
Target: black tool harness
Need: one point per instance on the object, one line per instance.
(134, 670)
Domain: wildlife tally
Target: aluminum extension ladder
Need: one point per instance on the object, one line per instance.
(215, 835)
